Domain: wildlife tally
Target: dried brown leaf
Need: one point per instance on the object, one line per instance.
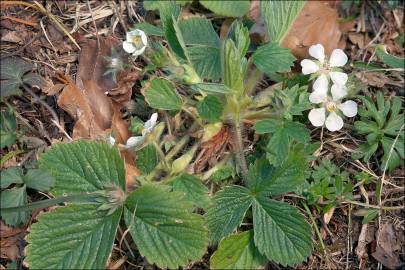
(317, 23)
(96, 113)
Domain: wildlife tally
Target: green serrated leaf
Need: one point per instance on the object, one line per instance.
(161, 94)
(265, 178)
(227, 8)
(72, 237)
(280, 231)
(149, 29)
(39, 180)
(272, 58)
(237, 251)
(193, 189)
(202, 46)
(83, 166)
(211, 88)
(210, 108)
(16, 196)
(164, 228)
(156, 4)
(10, 176)
(388, 59)
(239, 34)
(227, 210)
(283, 132)
(198, 31)
(233, 66)
(206, 61)
(8, 127)
(147, 159)
(279, 16)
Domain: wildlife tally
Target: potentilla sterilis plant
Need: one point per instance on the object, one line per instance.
(331, 110)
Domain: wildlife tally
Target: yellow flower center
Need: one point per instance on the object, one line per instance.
(331, 106)
(137, 41)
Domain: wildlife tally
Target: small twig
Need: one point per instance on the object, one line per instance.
(43, 103)
(94, 24)
(375, 206)
(23, 47)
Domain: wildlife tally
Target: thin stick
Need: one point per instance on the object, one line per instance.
(43, 103)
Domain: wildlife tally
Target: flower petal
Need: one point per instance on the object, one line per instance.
(338, 92)
(128, 47)
(111, 140)
(334, 122)
(144, 38)
(134, 141)
(317, 51)
(309, 66)
(349, 108)
(317, 117)
(338, 77)
(321, 83)
(338, 58)
(150, 124)
(139, 51)
(318, 96)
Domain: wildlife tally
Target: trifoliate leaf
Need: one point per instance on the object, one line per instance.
(227, 210)
(263, 177)
(72, 237)
(14, 72)
(388, 59)
(210, 108)
(147, 159)
(161, 94)
(280, 231)
(272, 58)
(77, 236)
(279, 16)
(83, 166)
(193, 189)
(164, 228)
(283, 132)
(16, 196)
(10, 176)
(39, 180)
(227, 8)
(237, 251)
(8, 126)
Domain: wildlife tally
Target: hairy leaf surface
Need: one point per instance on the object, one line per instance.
(164, 228)
(83, 166)
(72, 237)
(193, 189)
(161, 94)
(227, 8)
(228, 208)
(237, 251)
(281, 232)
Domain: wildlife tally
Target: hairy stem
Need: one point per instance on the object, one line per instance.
(83, 198)
(239, 148)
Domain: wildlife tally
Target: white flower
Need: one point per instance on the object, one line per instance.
(325, 68)
(147, 128)
(136, 42)
(328, 113)
(111, 140)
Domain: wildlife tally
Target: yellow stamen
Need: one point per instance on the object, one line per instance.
(137, 41)
(331, 106)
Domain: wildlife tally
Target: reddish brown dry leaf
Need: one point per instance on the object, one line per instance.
(96, 113)
(387, 247)
(9, 240)
(212, 150)
(317, 23)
